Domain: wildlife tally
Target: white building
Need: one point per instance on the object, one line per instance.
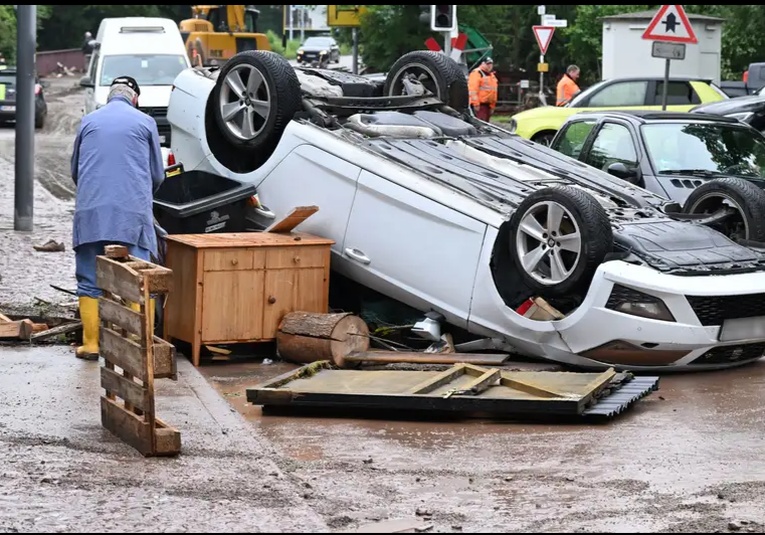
(626, 53)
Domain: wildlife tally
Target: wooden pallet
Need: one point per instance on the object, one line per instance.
(128, 344)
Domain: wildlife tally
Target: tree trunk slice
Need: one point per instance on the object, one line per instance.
(305, 337)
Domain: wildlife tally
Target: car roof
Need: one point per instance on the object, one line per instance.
(646, 116)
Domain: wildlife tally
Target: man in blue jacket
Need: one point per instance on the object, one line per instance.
(116, 165)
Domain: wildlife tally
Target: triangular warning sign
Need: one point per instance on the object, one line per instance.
(543, 35)
(670, 24)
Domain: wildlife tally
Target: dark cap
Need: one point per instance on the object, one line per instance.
(128, 81)
(488, 60)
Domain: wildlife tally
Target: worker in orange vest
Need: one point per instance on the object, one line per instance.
(746, 76)
(567, 86)
(483, 87)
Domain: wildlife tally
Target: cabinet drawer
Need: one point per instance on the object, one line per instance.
(233, 259)
(297, 257)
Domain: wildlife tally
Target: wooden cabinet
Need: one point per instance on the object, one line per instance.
(236, 287)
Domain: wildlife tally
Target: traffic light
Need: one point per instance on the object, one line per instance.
(443, 18)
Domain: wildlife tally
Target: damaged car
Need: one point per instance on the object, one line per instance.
(461, 218)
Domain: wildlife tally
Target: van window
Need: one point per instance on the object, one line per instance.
(146, 69)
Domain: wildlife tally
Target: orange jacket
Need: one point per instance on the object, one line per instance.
(567, 88)
(746, 76)
(483, 88)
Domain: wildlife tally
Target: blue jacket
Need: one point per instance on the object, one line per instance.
(117, 165)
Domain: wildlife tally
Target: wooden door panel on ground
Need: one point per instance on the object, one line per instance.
(232, 305)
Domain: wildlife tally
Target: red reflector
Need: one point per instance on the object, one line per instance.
(170, 159)
(525, 306)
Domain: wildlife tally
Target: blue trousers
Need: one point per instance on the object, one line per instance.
(85, 262)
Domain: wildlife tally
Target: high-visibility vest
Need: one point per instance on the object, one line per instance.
(567, 88)
(483, 88)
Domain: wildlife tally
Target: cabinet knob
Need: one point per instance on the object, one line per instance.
(296, 259)
(234, 261)
(271, 299)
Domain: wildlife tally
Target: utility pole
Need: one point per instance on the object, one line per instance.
(292, 21)
(302, 23)
(26, 44)
(541, 10)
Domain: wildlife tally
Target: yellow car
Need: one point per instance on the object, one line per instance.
(541, 124)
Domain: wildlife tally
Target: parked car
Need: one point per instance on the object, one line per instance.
(314, 46)
(541, 124)
(749, 109)
(8, 98)
(444, 213)
(754, 83)
(694, 159)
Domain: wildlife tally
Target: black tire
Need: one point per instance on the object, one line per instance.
(281, 89)
(544, 138)
(445, 77)
(745, 197)
(582, 212)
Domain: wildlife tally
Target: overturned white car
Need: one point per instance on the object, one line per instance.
(445, 213)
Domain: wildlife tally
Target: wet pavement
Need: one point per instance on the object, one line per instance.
(687, 458)
(60, 471)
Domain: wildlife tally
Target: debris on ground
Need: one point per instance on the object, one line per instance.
(51, 246)
(29, 330)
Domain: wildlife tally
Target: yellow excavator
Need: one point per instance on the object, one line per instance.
(216, 33)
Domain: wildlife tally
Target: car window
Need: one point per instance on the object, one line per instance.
(159, 69)
(621, 94)
(319, 41)
(678, 94)
(705, 147)
(572, 138)
(93, 65)
(613, 143)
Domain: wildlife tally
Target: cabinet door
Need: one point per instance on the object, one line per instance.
(232, 306)
(293, 290)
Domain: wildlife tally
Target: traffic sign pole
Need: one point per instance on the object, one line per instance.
(541, 10)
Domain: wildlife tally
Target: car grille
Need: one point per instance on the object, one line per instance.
(154, 112)
(159, 114)
(713, 310)
(721, 355)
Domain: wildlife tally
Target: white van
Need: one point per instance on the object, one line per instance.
(149, 49)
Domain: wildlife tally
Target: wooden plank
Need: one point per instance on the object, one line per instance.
(116, 251)
(122, 352)
(418, 357)
(233, 240)
(438, 380)
(534, 389)
(19, 330)
(147, 343)
(127, 389)
(4, 318)
(168, 439)
(129, 427)
(481, 383)
(56, 331)
(117, 278)
(121, 316)
(165, 365)
(158, 278)
(292, 220)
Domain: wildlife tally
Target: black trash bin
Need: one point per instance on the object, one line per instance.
(198, 202)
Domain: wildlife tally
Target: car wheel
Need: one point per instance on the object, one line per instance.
(439, 74)
(544, 138)
(558, 238)
(256, 95)
(744, 201)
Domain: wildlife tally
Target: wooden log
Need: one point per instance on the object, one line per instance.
(306, 337)
(20, 330)
(116, 252)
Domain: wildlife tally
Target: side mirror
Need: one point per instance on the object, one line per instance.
(85, 81)
(619, 170)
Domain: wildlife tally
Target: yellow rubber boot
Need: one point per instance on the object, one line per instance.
(150, 310)
(91, 326)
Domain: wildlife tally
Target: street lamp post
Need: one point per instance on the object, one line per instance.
(26, 44)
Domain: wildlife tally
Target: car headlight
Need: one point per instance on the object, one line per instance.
(300, 51)
(635, 303)
(324, 52)
(743, 116)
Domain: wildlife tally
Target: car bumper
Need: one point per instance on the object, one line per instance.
(719, 322)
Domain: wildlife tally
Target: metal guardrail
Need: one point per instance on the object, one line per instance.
(48, 61)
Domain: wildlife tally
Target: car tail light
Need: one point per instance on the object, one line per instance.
(38, 89)
(170, 159)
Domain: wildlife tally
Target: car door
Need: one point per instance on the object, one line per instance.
(412, 248)
(613, 142)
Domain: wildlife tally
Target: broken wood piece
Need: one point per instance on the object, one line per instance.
(4, 318)
(541, 310)
(20, 330)
(218, 350)
(416, 357)
(56, 331)
(116, 252)
(70, 292)
(306, 337)
(292, 220)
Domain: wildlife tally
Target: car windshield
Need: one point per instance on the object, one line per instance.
(705, 149)
(147, 69)
(318, 42)
(577, 100)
